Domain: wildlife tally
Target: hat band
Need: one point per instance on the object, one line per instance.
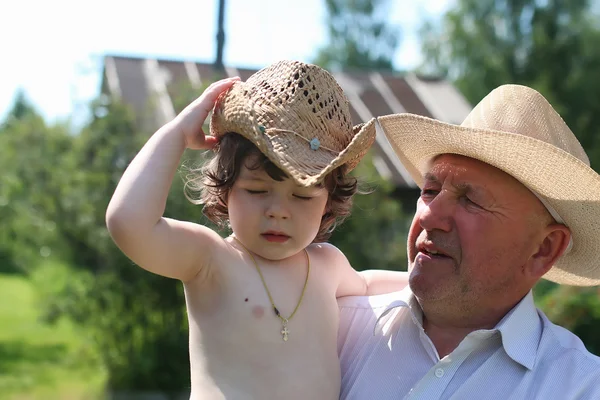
(556, 217)
(314, 143)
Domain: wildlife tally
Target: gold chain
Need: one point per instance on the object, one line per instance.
(284, 321)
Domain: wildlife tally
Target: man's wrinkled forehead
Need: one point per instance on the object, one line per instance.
(456, 167)
(470, 175)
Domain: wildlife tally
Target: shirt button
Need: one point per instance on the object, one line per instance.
(439, 372)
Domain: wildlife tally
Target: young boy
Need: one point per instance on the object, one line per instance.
(261, 303)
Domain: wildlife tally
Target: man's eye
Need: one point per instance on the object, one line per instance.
(471, 202)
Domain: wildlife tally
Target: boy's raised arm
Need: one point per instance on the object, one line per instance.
(134, 216)
(381, 281)
(369, 282)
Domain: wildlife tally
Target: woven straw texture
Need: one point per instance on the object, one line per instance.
(298, 116)
(516, 130)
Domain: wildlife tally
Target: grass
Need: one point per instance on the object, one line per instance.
(41, 361)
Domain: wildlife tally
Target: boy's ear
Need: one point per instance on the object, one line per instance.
(327, 208)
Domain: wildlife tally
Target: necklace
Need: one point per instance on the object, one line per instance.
(284, 321)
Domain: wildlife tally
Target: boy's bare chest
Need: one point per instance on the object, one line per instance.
(246, 312)
(241, 338)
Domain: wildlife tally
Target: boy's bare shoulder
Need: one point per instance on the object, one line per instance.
(328, 254)
(221, 252)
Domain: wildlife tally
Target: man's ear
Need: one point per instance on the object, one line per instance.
(552, 247)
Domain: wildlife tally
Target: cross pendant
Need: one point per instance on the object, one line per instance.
(284, 333)
(284, 329)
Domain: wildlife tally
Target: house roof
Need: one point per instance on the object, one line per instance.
(150, 86)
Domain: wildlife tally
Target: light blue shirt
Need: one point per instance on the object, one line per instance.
(385, 354)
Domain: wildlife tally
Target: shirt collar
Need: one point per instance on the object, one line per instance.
(404, 298)
(520, 329)
(521, 332)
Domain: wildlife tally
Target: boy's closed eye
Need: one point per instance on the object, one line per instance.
(303, 197)
(298, 196)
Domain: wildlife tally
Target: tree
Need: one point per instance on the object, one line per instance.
(31, 155)
(359, 36)
(551, 46)
(21, 110)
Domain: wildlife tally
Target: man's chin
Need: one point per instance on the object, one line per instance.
(426, 287)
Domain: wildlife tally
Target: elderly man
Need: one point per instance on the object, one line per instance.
(507, 197)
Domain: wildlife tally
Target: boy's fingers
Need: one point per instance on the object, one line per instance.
(221, 85)
(211, 93)
(210, 142)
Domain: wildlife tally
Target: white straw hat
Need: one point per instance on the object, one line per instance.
(515, 129)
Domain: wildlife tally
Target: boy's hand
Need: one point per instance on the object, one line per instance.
(191, 119)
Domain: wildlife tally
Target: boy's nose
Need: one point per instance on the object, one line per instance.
(278, 209)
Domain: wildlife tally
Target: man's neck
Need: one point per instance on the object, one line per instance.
(447, 333)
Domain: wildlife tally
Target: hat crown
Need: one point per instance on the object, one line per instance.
(302, 98)
(524, 111)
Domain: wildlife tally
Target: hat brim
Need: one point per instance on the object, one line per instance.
(570, 186)
(308, 167)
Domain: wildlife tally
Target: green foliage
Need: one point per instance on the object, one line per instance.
(374, 236)
(31, 157)
(550, 46)
(578, 310)
(133, 323)
(359, 36)
(41, 361)
(133, 315)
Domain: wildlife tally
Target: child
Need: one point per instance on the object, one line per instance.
(261, 303)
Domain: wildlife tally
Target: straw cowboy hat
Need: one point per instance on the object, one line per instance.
(298, 116)
(516, 130)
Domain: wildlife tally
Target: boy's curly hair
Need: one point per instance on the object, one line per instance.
(215, 179)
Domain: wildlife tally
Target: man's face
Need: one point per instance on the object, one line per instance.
(474, 230)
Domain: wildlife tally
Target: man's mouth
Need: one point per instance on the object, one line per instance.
(432, 252)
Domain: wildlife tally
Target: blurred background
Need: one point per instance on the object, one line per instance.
(84, 84)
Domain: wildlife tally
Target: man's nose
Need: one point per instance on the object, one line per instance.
(437, 213)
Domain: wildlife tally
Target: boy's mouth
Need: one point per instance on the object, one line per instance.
(274, 236)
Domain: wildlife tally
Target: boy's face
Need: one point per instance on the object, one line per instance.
(274, 219)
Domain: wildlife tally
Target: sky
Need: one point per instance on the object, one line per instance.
(53, 49)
